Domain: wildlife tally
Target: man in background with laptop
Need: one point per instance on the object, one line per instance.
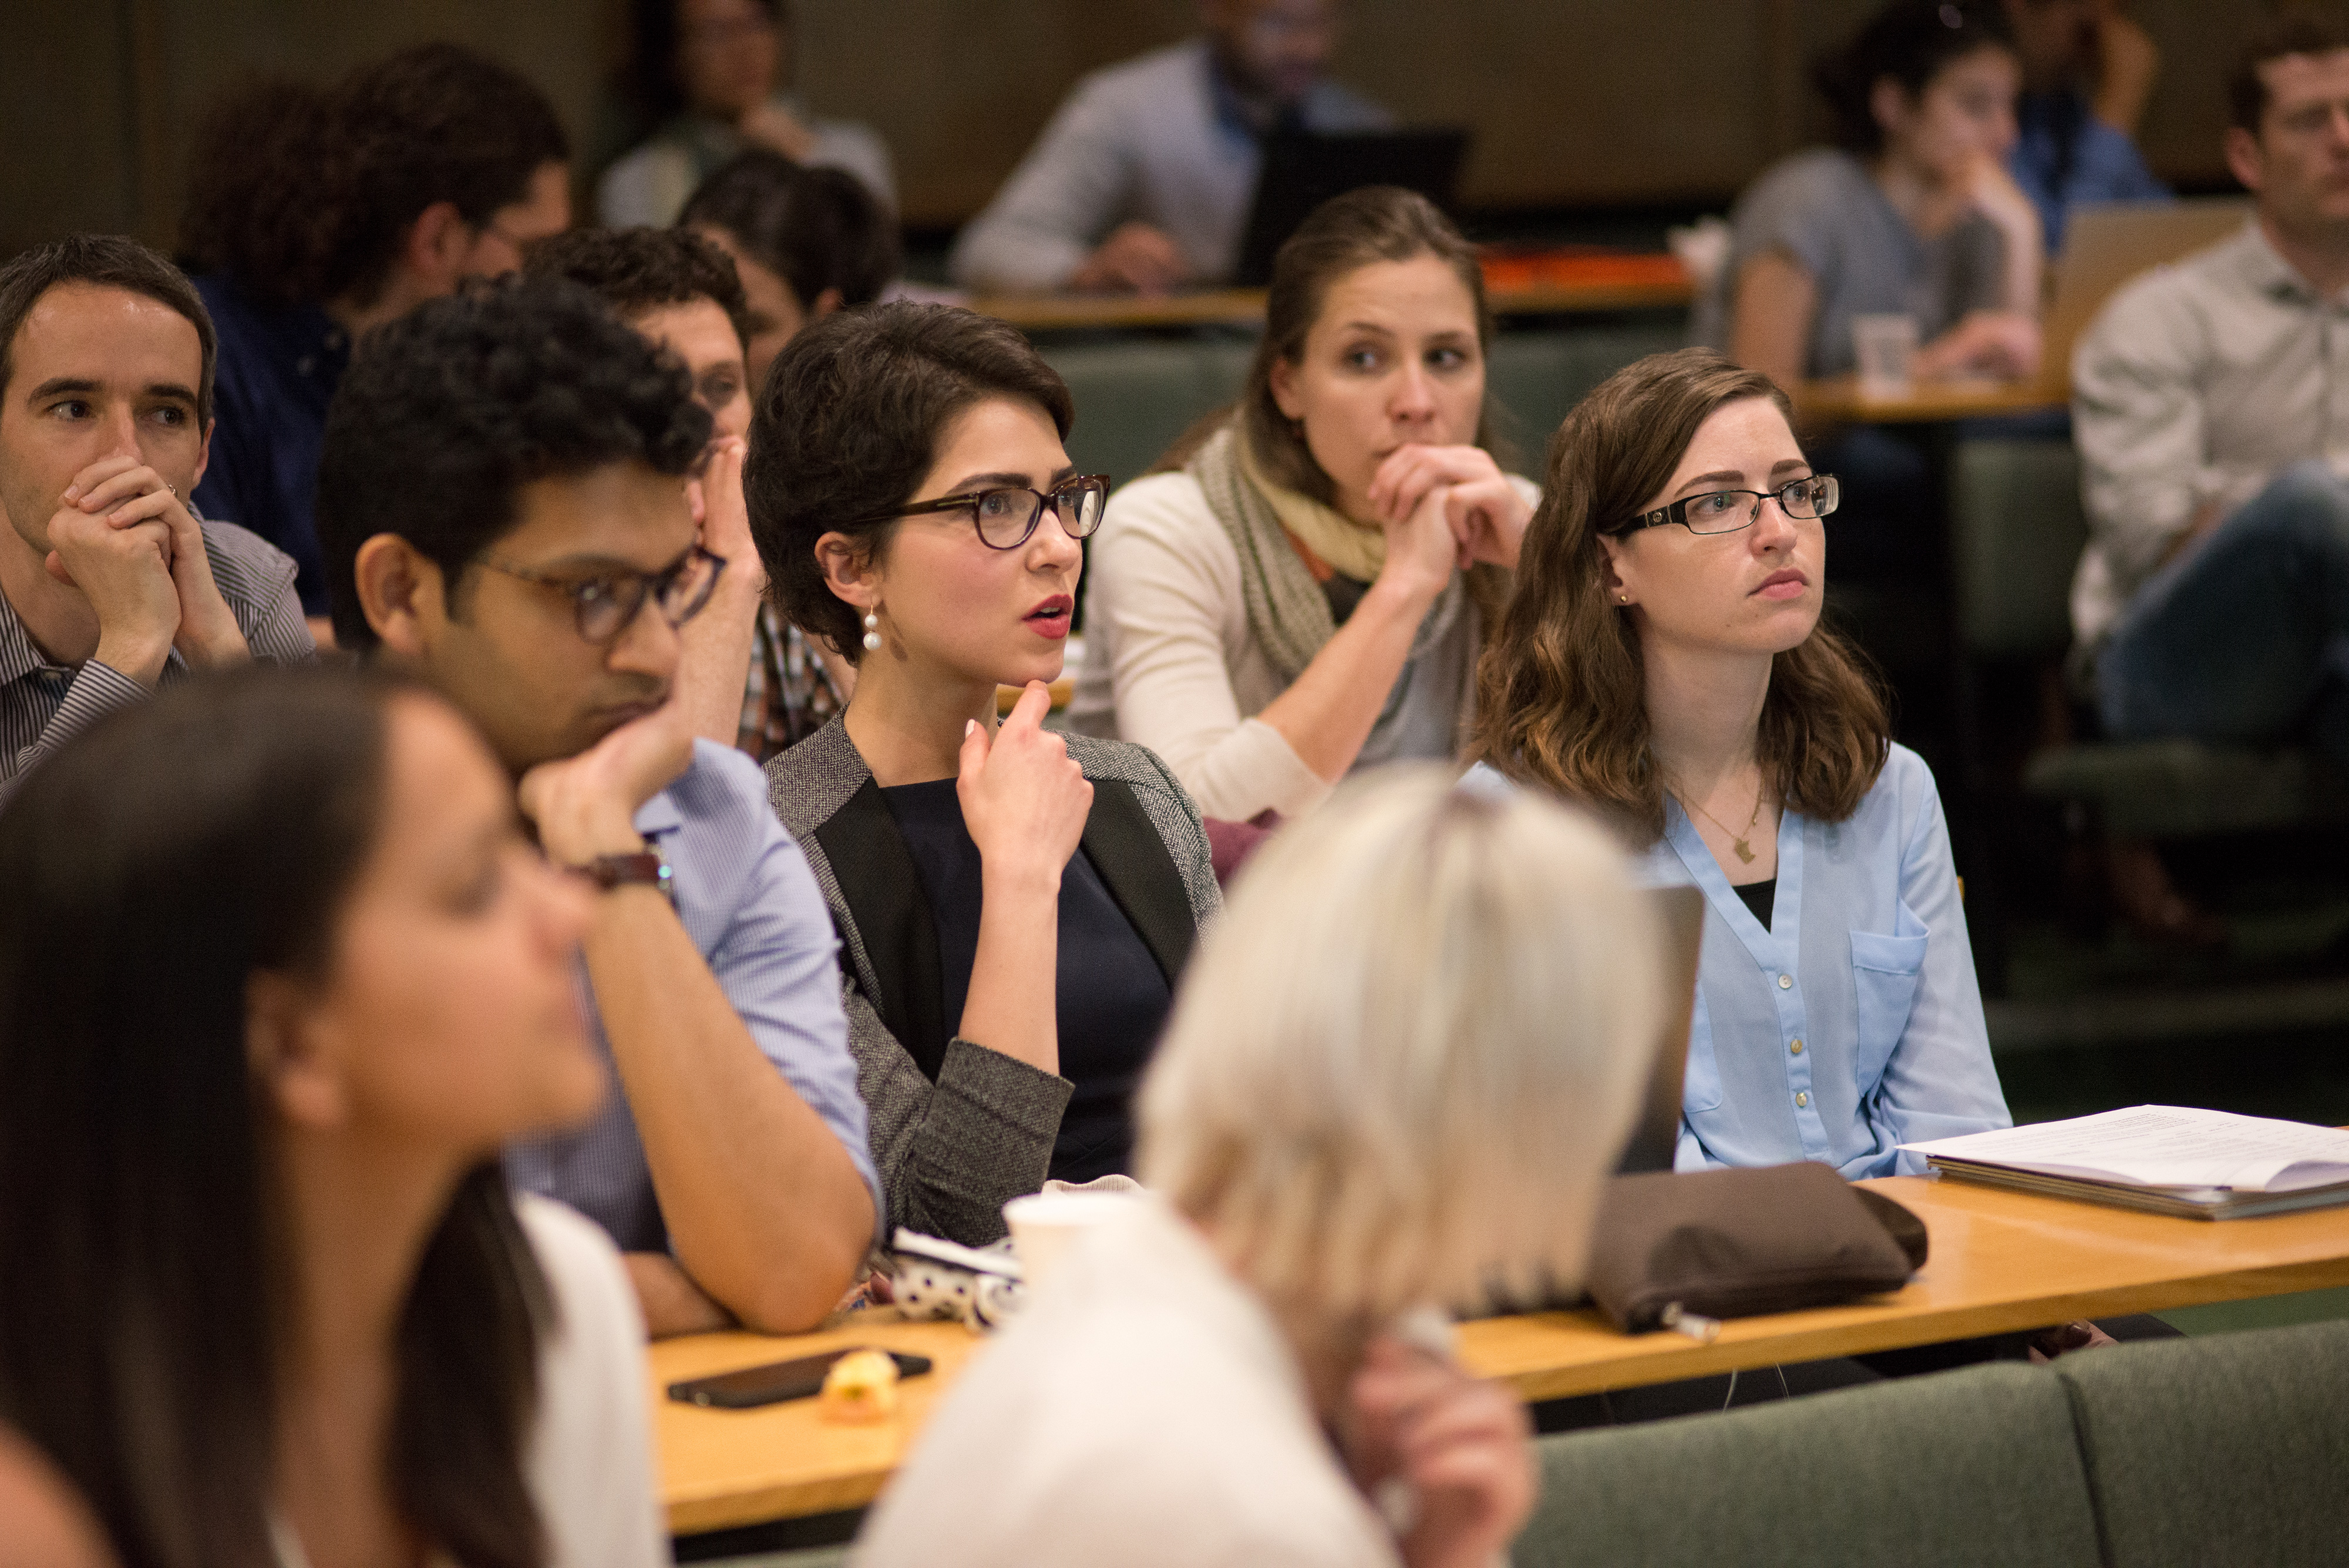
(2211, 409)
(1142, 181)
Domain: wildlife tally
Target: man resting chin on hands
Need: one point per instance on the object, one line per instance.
(109, 585)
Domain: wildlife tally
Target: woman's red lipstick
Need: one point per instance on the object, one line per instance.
(1050, 617)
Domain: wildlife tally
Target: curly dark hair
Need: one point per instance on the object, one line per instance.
(1911, 41)
(446, 413)
(814, 228)
(849, 421)
(301, 195)
(638, 270)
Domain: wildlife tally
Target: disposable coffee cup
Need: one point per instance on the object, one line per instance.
(1045, 1226)
(1886, 346)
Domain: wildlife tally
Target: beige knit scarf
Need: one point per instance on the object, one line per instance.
(1288, 614)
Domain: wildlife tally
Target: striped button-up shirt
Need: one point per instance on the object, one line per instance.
(44, 704)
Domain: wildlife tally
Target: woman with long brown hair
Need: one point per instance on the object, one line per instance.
(1307, 593)
(279, 978)
(1663, 662)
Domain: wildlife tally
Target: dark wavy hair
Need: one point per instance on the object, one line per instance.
(104, 261)
(303, 195)
(638, 270)
(815, 228)
(147, 871)
(1561, 694)
(446, 413)
(1911, 41)
(848, 423)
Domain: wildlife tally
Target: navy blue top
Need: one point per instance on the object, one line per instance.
(279, 366)
(1112, 999)
(2065, 157)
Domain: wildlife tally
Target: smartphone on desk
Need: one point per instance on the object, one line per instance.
(776, 1382)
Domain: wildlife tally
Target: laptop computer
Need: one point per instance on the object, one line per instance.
(2107, 245)
(1657, 1133)
(1302, 171)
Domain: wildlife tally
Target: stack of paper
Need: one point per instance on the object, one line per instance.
(2170, 1160)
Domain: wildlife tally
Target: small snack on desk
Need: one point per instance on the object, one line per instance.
(861, 1387)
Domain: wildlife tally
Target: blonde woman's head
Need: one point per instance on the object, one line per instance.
(1405, 1057)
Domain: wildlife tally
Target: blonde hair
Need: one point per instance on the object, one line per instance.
(1406, 1056)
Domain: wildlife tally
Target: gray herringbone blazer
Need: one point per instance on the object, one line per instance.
(958, 1129)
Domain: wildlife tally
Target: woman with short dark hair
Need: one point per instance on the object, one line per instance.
(279, 978)
(1306, 595)
(1014, 908)
(1663, 662)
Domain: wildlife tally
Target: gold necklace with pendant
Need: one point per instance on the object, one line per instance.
(1740, 842)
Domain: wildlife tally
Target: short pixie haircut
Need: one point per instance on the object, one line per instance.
(446, 413)
(848, 422)
(1406, 1056)
(637, 271)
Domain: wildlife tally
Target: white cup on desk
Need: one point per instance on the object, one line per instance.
(1046, 1225)
(1886, 346)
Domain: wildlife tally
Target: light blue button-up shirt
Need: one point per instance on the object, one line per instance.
(745, 895)
(1853, 1024)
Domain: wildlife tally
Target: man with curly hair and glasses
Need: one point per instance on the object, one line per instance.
(503, 503)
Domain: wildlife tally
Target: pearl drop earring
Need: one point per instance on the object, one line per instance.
(872, 632)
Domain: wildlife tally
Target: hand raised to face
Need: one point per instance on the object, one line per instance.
(585, 806)
(123, 568)
(1451, 1452)
(1023, 798)
(1484, 511)
(207, 635)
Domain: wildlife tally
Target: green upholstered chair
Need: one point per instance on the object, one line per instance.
(1538, 376)
(1960, 1468)
(2016, 534)
(2227, 1450)
(1133, 396)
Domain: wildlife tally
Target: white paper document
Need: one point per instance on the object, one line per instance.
(2173, 1148)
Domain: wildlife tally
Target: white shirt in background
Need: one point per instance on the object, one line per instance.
(1143, 1411)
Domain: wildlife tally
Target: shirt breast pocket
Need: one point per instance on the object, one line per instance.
(1884, 971)
(1700, 1079)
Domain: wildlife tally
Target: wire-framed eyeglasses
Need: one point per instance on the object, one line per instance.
(1007, 516)
(1727, 510)
(607, 603)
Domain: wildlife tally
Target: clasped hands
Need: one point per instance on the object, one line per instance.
(123, 536)
(1446, 507)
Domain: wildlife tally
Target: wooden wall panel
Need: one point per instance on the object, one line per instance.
(1573, 101)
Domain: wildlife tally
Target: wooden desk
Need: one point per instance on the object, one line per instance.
(1244, 306)
(721, 1467)
(2000, 1260)
(1839, 401)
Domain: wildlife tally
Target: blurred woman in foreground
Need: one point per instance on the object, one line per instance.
(1395, 1080)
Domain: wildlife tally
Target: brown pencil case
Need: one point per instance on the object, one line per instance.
(1672, 1247)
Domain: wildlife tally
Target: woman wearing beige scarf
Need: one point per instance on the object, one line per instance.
(1306, 595)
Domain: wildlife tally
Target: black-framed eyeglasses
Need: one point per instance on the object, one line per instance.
(1727, 510)
(606, 604)
(1007, 516)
